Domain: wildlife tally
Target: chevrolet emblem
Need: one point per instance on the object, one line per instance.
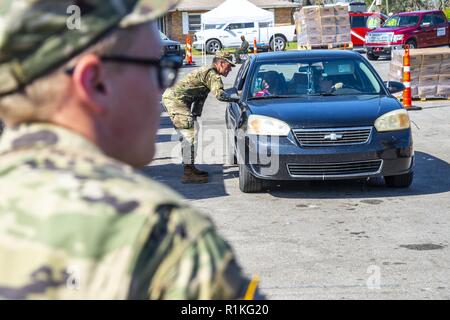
(333, 137)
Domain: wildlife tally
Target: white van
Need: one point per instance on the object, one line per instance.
(228, 35)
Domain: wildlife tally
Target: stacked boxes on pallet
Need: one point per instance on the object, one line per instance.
(323, 26)
(430, 71)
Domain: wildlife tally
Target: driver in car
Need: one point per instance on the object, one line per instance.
(325, 84)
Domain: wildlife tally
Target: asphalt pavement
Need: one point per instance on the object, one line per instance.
(328, 240)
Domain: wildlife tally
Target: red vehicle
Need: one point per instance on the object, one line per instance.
(418, 29)
(363, 22)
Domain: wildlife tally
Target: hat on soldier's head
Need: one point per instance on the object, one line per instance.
(225, 56)
(37, 36)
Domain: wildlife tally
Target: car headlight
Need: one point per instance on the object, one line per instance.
(393, 121)
(266, 126)
(398, 37)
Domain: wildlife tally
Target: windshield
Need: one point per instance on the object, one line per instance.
(214, 26)
(401, 21)
(163, 36)
(314, 77)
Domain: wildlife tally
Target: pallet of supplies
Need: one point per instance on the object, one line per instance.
(320, 27)
(430, 72)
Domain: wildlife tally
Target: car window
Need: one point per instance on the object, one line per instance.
(373, 22)
(439, 18)
(213, 26)
(265, 24)
(358, 22)
(401, 21)
(240, 78)
(234, 26)
(321, 76)
(249, 25)
(427, 19)
(163, 36)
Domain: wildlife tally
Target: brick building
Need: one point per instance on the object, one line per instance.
(185, 17)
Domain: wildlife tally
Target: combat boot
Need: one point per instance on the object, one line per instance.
(192, 175)
(197, 171)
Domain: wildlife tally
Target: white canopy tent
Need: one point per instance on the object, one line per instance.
(235, 11)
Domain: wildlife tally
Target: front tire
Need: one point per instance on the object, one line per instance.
(278, 43)
(247, 182)
(212, 46)
(400, 181)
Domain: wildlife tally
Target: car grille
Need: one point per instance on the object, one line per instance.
(332, 137)
(380, 37)
(336, 169)
(172, 49)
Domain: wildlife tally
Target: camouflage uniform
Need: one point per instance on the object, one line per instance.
(75, 224)
(186, 99)
(242, 50)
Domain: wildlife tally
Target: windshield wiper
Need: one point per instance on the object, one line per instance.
(322, 94)
(271, 97)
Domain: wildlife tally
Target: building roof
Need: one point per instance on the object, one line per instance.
(206, 5)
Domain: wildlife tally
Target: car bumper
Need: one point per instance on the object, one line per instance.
(179, 57)
(386, 154)
(382, 50)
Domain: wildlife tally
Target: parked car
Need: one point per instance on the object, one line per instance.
(173, 49)
(418, 29)
(228, 35)
(317, 115)
(363, 22)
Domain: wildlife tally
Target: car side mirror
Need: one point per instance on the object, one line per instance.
(426, 25)
(394, 86)
(233, 95)
(235, 98)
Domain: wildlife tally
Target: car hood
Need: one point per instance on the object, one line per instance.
(325, 112)
(394, 29)
(168, 42)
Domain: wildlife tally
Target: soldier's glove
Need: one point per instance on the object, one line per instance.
(197, 109)
(229, 95)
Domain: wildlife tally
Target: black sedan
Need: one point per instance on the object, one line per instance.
(317, 115)
(172, 50)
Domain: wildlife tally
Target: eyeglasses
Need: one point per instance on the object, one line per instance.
(167, 69)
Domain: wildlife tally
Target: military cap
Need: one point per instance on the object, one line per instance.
(37, 36)
(225, 56)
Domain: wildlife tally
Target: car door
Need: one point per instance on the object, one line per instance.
(441, 27)
(234, 32)
(428, 31)
(358, 24)
(234, 111)
(251, 31)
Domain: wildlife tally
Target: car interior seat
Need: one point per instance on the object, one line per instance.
(298, 84)
(276, 82)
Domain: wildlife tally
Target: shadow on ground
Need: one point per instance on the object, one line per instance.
(169, 174)
(432, 176)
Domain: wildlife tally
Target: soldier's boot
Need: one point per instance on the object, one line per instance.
(199, 172)
(192, 175)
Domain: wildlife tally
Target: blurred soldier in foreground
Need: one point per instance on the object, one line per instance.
(82, 108)
(184, 102)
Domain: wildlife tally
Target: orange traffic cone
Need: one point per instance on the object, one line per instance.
(189, 51)
(407, 95)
